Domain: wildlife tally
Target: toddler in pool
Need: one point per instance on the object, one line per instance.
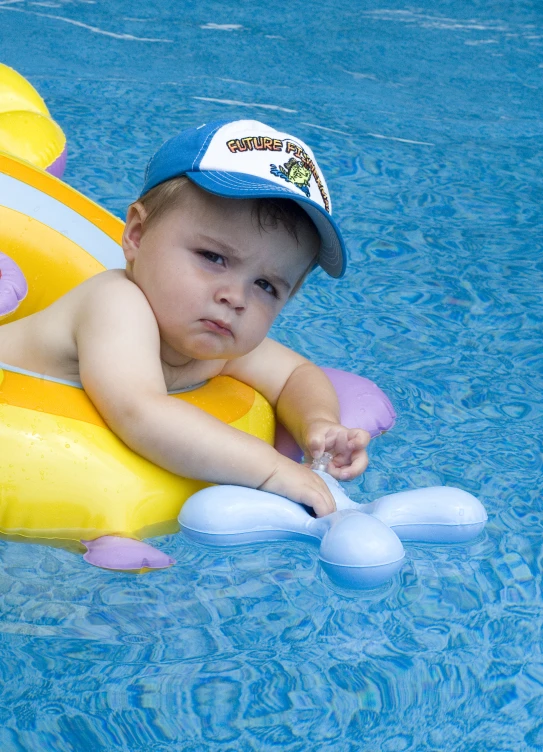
(232, 217)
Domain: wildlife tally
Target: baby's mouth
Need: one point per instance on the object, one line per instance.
(217, 326)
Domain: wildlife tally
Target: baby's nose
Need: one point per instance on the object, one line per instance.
(233, 296)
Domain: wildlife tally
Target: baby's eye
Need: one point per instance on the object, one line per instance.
(215, 258)
(267, 287)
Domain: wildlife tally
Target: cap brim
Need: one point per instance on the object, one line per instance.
(332, 255)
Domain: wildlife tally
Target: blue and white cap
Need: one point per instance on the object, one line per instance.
(248, 159)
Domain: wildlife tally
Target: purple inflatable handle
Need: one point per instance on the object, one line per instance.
(59, 165)
(362, 405)
(114, 552)
(13, 286)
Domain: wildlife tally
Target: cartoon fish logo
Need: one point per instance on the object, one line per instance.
(294, 171)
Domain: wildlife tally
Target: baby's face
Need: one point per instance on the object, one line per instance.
(214, 279)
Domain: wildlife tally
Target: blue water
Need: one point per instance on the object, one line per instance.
(426, 120)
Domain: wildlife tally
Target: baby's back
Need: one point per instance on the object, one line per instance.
(45, 342)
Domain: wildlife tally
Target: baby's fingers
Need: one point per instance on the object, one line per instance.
(349, 466)
(358, 438)
(359, 462)
(316, 445)
(323, 506)
(320, 498)
(337, 442)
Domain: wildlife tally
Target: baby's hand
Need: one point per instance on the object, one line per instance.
(299, 483)
(346, 445)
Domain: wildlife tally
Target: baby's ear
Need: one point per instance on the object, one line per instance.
(133, 230)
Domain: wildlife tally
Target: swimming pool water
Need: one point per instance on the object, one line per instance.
(427, 122)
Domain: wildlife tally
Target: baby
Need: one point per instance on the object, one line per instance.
(232, 217)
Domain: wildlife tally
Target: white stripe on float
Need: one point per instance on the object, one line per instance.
(27, 200)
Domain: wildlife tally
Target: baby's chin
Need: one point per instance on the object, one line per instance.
(206, 348)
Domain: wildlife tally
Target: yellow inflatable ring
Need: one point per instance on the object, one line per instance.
(27, 130)
(63, 473)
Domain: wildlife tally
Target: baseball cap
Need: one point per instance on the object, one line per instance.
(248, 159)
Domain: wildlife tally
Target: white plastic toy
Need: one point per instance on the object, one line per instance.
(360, 544)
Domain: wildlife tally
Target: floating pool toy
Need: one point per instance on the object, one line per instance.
(64, 474)
(27, 130)
(360, 544)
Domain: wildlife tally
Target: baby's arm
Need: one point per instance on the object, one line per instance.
(119, 361)
(306, 404)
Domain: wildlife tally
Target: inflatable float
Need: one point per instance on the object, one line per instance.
(65, 477)
(27, 130)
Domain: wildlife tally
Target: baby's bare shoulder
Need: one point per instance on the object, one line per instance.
(117, 339)
(109, 293)
(113, 307)
(112, 282)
